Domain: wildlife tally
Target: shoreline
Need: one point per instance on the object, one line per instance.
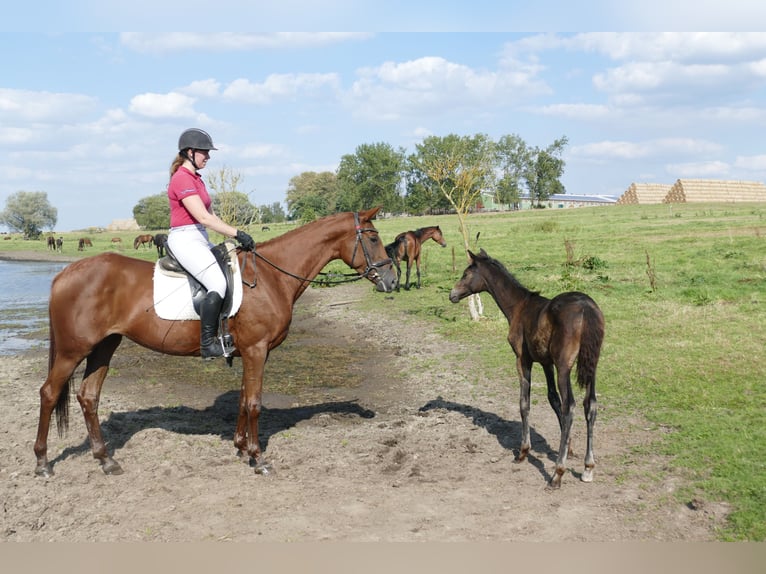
(37, 256)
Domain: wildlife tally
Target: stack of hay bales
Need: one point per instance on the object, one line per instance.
(715, 190)
(644, 193)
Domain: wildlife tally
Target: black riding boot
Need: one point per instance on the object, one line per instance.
(209, 314)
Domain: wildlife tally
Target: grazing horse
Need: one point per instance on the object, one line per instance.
(144, 240)
(83, 242)
(51, 243)
(98, 300)
(159, 240)
(553, 332)
(60, 244)
(407, 247)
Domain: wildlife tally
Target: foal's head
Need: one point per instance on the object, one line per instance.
(473, 280)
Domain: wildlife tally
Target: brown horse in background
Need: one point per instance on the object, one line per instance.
(407, 247)
(83, 242)
(98, 300)
(51, 243)
(144, 240)
(553, 332)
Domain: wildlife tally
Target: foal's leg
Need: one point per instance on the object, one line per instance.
(56, 383)
(591, 408)
(555, 400)
(567, 402)
(524, 369)
(96, 369)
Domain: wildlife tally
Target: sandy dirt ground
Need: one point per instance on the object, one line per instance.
(378, 440)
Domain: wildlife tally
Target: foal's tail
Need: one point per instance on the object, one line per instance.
(590, 346)
(62, 403)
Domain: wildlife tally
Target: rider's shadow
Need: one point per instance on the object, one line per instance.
(218, 419)
(507, 433)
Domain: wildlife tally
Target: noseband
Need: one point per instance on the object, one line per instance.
(370, 267)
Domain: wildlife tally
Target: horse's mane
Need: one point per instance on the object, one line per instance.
(503, 271)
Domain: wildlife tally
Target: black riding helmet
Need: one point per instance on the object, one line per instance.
(194, 138)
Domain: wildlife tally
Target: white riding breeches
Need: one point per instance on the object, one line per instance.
(191, 246)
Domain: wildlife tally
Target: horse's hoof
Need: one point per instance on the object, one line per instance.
(44, 471)
(263, 468)
(587, 475)
(111, 467)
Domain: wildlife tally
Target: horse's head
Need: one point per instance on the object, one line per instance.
(472, 281)
(368, 255)
(438, 237)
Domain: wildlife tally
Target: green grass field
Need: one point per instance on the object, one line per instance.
(683, 290)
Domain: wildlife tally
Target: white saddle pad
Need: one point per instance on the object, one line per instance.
(172, 295)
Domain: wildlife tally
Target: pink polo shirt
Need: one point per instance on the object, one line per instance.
(183, 184)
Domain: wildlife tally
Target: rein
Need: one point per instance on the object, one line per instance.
(370, 266)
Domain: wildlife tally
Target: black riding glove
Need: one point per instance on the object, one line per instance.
(245, 240)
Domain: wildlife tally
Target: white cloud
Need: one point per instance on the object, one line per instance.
(752, 162)
(279, 86)
(432, 84)
(202, 89)
(21, 106)
(657, 148)
(172, 105)
(698, 169)
(586, 112)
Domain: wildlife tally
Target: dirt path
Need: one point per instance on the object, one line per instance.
(413, 446)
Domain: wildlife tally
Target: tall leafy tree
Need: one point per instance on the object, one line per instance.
(312, 190)
(543, 176)
(372, 175)
(152, 212)
(29, 212)
(272, 213)
(513, 159)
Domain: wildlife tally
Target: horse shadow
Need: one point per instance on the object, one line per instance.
(507, 433)
(220, 419)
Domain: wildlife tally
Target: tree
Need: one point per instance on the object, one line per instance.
(513, 158)
(29, 212)
(461, 168)
(371, 176)
(235, 208)
(312, 190)
(272, 213)
(152, 212)
(229, 203)
(545, 170)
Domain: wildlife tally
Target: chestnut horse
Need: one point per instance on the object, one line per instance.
(407, 247)
(553, 332)
(144, 240)
(98, 300)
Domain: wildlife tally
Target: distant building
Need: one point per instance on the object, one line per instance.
(556, 201)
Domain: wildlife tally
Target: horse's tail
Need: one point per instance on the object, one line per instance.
(62, 404)
(136, 241)
(590, 345)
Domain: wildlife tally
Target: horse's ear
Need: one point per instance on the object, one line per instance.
(482, 252)
(370, 214)
(471, 255)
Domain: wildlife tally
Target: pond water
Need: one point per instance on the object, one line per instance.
(24, 290)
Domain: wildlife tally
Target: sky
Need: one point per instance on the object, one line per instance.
(93, 118)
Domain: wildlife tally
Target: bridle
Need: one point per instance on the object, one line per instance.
(370, 271)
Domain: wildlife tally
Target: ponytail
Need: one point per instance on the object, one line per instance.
(177, 162)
